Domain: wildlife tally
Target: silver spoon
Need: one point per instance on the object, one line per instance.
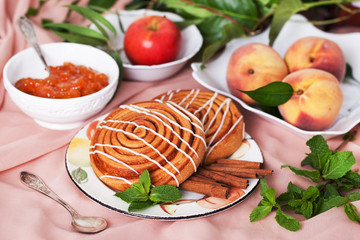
(80, 223)
(27, 29)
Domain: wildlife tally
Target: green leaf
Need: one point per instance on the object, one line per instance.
(79, 175)
(104, 4)
(34, 11)
(330, 191)
(284, 11)
(79, 39)
(320, 151)
(132, 194)
(229, 32)
(307, 161)
(295, 190)
(260, 212)
(311, 193)
(313, 175)
(338, 165)
(307, 209)
(287, 221)
(353, 178)
(145, 181)
(335, 201)
(295, 203)
(263, 187)
(95, 18)
(284, 198)
(272, 94)
(75, 29)
(165, 193)
(139, 205)
(270, 195)
(351, 212)
(354, 196)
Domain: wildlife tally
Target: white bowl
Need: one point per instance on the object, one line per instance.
(60, 114)
(192, 42)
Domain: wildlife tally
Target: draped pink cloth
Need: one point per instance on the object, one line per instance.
(26, 214)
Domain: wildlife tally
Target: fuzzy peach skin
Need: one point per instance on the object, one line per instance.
(252, 66)
(316, 52)
(316, 101)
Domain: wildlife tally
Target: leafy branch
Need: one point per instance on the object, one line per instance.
(221, 21)
(336, 186)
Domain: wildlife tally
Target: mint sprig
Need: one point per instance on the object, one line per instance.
(335, 186)
(142, 195)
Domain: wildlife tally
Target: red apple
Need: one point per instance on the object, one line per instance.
(152, 40)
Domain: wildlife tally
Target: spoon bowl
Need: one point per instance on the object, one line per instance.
(82, 224)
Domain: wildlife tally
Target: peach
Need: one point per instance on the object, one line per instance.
(316, 101)
(316, 52)
(252, 66)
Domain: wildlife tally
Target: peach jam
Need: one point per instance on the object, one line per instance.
(65, 81)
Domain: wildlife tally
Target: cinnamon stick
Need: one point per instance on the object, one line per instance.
(239, 163)
(212, 190)
(230, 180)
(241, 172)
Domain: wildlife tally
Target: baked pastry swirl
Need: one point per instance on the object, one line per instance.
(222, 120)
(160, 137)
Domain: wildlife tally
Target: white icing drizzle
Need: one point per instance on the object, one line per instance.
(231, 129)
(118, 178)
(159, 135)
(148, 112)
(227, 102)
(210, 103)
(145, 142)
(109, 156)
(135, 153)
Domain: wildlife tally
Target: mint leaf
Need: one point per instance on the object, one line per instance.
(272, 94)
(295, 190)
(284, 198)
(311, 193)
(338, 165)
(320, 152)
(307, 209)
(139, 205)
(354, 196)
(335, 201)
(145, 181)
(351, 212)
(330, 191)
(132, 194)
(353, 178)
(270, 196)
(263, 187)
(260, 212)
(287, 221)
(313, 175)
(165, 193)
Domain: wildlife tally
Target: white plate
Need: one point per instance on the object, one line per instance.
(213, 76)
(192, 205)
(191, 43)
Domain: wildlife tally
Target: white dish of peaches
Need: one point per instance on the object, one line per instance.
(214, 76)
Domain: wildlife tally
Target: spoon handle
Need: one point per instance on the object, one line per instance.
(27, 29)
(36, 183)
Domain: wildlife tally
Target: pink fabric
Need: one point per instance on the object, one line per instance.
(26, 214)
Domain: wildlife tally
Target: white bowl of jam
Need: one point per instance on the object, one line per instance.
(82, 80)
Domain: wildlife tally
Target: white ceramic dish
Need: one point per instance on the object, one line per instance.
(192, 42)
(192, 205)
(213, 76)
(60, 114)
